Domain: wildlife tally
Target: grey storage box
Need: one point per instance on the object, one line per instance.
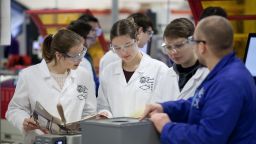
(119, 131)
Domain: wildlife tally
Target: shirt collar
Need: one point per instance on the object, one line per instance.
(221, 65)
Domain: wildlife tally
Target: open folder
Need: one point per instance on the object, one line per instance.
(54, 124)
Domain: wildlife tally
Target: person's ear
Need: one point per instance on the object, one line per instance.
(58, 55)
(202, 48)
(139, 32)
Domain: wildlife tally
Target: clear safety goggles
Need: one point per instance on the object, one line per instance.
(127, 46)
(174, 47)
(77, 57)
(98, 31)
(150, 32)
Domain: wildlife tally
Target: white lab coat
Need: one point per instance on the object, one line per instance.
(188, 90)
(87, 65)
(109, 57)
(36, 84)
(125, 99)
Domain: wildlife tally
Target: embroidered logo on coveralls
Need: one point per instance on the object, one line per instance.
(146, 83)
(82, 92)
(197, 97)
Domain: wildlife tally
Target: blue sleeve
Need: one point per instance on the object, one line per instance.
(220, 112)
(177, 110)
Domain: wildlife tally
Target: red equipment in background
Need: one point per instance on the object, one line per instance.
(242, 15)
(6, 96)
(35, 15)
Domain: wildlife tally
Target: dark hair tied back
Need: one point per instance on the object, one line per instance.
(124, 27)
(61, 42)
(46, 51)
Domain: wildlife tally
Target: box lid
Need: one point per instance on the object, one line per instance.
(117, 122)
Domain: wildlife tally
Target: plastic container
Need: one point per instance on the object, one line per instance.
(119, 131)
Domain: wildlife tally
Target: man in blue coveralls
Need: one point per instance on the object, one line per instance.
(223, 109)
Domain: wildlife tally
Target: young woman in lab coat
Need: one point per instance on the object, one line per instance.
(187, 71)
(58, 79)
(144, 35)
(129, 83)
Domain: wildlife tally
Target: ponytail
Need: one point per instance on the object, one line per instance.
(46, 51)
(61, 42)
(132, 21)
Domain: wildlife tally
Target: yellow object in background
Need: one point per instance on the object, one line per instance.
(241, 27)
(96, 51)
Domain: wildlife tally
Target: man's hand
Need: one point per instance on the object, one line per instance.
(159, 120)
(151, 109)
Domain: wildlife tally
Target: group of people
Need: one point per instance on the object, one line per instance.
(207, 96)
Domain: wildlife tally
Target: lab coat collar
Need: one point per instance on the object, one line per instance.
(144, 63)
(200, 73)
(44, 68)
(196, 76)
(47, 76)
(46, 73)
(118, 69)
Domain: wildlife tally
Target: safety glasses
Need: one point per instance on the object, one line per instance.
(77, 57)
(150, 33)
(174, 47)
(127, 46)
(191, 39)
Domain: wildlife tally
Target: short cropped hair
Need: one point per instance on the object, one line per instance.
(181, 27)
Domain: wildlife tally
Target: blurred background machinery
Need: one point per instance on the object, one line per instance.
(241, 13)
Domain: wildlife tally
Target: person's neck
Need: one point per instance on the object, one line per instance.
(214, 59)
(211, 63)
(190, 63)
(133, 65)
(55, 68)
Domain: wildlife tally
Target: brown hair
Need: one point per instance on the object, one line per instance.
(61, 42)
(123, 27)
(80, 27)
(141, 20)
(180, 27)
